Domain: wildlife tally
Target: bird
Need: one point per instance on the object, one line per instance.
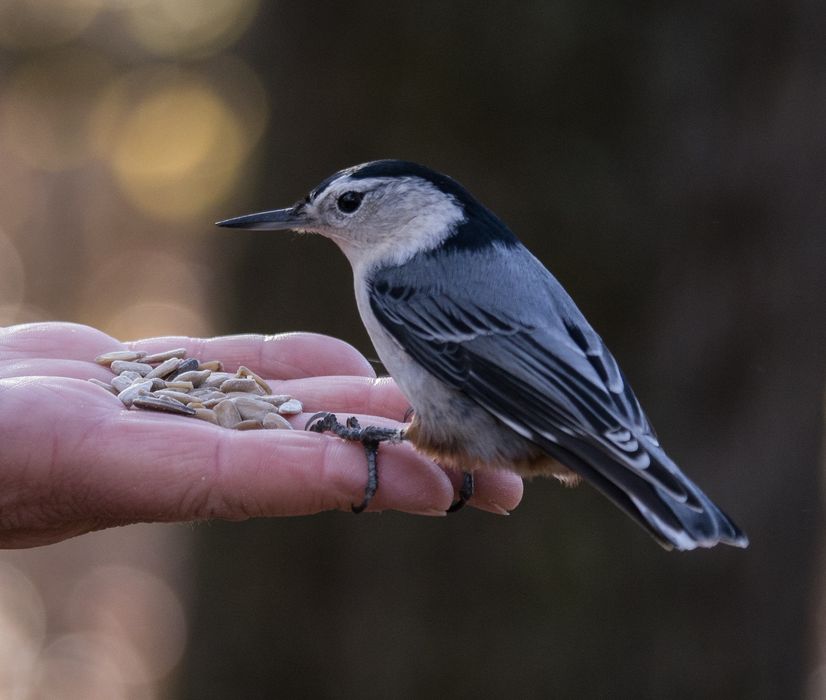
(500, 367)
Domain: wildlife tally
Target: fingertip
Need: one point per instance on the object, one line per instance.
(55, 339)
(497, 491)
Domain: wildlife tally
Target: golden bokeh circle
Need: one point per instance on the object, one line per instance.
(188, 27)
(46, 107)
(32, 24)
(175, 141)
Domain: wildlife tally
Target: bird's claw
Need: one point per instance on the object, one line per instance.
(321, 422)
(465, 492)
(370, 437)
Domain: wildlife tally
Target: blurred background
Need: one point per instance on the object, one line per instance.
(666, 161)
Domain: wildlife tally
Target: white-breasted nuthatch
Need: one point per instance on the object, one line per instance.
(499, 365)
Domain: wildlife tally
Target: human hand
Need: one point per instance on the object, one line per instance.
(73, 459)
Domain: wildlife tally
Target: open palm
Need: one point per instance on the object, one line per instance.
(73, 459)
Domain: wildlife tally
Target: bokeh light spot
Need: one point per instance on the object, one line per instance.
(161, 294)
(141, 610)
(188, 27)
(82, 666)
(22, 630)
(147, 319)
(12, 274)
(175, 148)
(10, 314)
(170, 134)
(21, 191)
(45, 110)
(30, 24)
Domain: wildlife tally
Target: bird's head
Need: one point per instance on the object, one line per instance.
(382, 212)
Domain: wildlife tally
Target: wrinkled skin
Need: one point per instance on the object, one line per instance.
(73, 459)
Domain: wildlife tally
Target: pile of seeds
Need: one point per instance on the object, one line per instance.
(171, 383)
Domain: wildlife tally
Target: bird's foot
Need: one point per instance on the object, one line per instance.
(465, 492)
(369, 436)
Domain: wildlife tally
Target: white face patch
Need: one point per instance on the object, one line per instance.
(396, 218)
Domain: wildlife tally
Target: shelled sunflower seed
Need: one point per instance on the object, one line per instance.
(169, 382)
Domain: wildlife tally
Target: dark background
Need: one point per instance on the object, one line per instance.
(666, 161)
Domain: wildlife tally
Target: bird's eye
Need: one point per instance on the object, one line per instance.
(349, 201)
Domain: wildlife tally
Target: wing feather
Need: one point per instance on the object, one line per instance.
(552, 380)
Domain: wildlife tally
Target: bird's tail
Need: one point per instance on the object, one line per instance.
(682, 521)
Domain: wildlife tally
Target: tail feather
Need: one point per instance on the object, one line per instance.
(673, 523)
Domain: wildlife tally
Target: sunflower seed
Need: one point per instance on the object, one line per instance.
(212, 366)
(164, 405)
(227, 414)
(197, 377)
(246, 372)
(216, 379)
(178, 385)
(160, 357)
(252, 409)
(276, 399)
(249, 425)
(166, 367)
(207, 395)
(186, 366)
(177, 395)
(206, 414)
(108, 358)
(141, 368)
(237, 384)
(120, 383)
(242, 394)
(133, 391)
(290, 408)
(273, 421)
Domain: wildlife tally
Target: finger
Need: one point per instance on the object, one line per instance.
(285, 356)
(202, 471)
(81, 459)
(288, 355)
(54, 340)
(367, 395)
(54, 368)
(495, 490)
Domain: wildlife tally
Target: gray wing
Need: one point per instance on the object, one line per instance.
(497, 326)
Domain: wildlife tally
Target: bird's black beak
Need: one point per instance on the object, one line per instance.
(294, 218)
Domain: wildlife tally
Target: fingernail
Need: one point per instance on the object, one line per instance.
(433, 512)
(490, 507)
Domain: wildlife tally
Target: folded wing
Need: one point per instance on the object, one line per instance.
(533, 361)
